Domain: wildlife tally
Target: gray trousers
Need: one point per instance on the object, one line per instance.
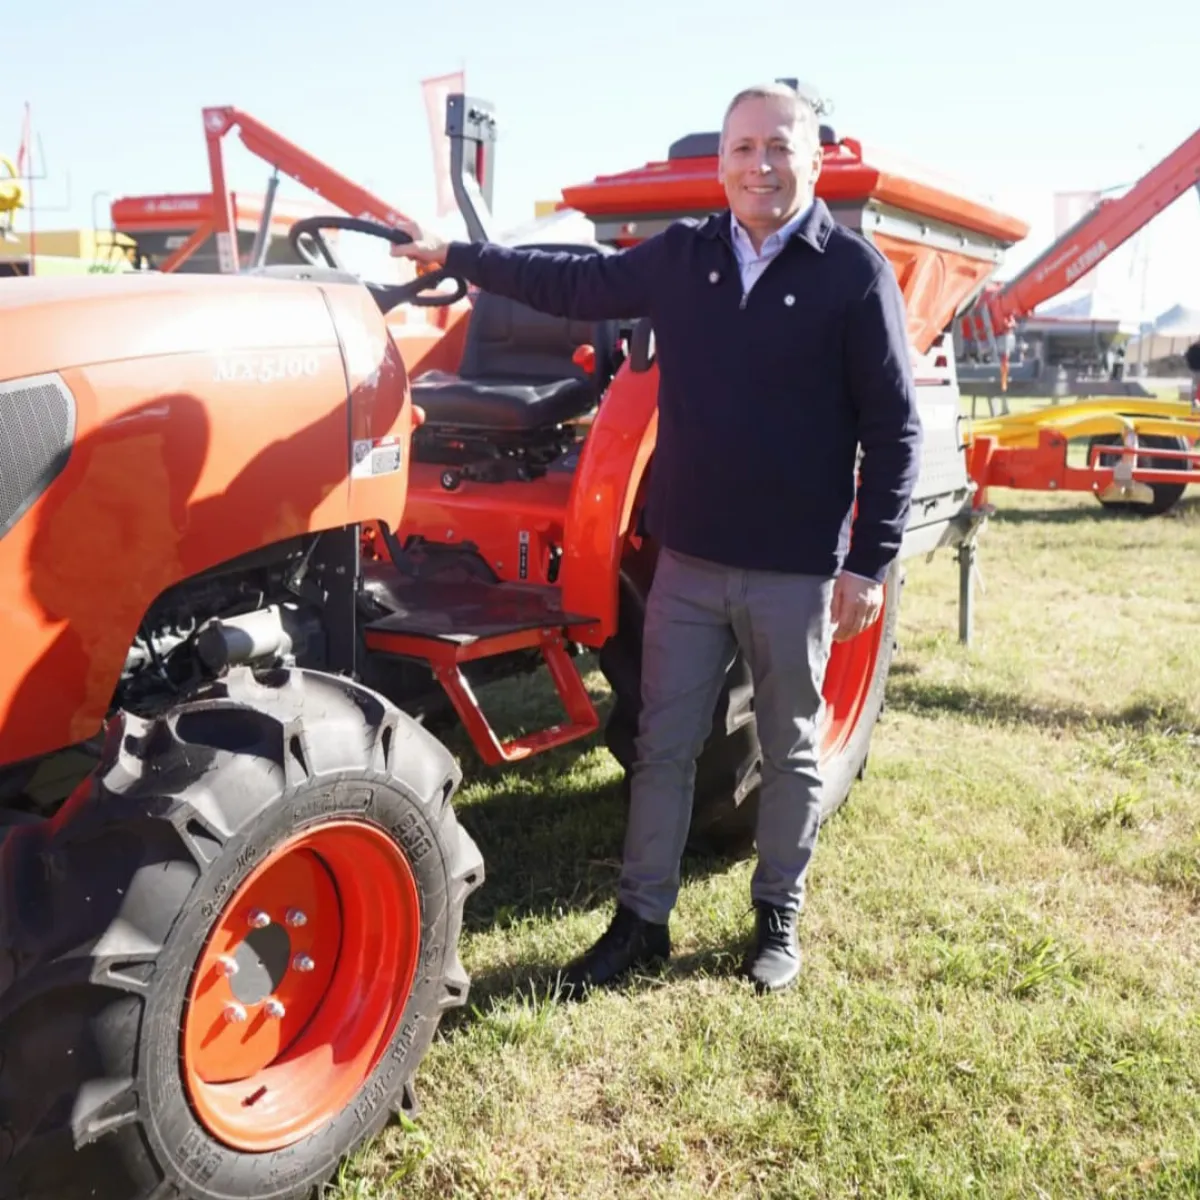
(698, 615)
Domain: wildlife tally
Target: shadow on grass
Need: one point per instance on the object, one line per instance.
(551, 844)
(551, 833)
(1087, 514)
(537, 981)
(550, 828)
(908, 693)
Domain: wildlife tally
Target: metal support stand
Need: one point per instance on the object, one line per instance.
(471, 128)
(969, 526)
(967, 554)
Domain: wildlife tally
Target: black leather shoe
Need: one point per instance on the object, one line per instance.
(774, 962)
(628, 943)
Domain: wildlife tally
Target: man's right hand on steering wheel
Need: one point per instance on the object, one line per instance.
(425, 247)
(429, 252)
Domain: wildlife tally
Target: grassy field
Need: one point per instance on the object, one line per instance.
(1002, 937)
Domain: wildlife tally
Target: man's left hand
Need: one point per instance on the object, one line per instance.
(856, 605)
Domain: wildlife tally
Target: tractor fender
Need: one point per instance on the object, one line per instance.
(600, 512)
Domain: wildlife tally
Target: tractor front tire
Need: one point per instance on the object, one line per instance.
(223, 959)
(1166, 495)
(729, 768)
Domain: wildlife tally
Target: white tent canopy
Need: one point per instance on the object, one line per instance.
(1172, 332)
(1086, 306)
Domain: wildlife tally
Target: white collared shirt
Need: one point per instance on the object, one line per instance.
(753, 263)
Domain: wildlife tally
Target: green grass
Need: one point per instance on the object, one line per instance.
(1002, 936)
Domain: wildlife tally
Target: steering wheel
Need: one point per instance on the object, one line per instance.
(387, 296)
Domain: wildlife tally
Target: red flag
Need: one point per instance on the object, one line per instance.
(436, 90)
(25, 150)
(25, 171)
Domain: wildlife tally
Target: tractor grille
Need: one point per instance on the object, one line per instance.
(37, 427)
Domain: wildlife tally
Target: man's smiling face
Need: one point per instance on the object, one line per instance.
(769, 164)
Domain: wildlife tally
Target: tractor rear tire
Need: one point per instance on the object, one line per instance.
(729, 768)
(1166, 495)
(223, 959)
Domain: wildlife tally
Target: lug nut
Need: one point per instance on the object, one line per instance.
(226, 966)
(303, 963)
(235, 1014)
(273, 1008)
(296, 918)
(259, 919)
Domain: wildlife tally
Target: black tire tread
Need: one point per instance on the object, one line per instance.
(92, 897)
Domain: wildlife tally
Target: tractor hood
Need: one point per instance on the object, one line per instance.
(943, 244)
(56, 324)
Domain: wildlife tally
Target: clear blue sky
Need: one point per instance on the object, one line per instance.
(1018, 100)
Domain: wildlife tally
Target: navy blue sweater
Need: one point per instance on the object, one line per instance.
(763, 400)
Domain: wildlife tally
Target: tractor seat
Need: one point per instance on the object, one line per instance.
(517, 373)
(514, 406)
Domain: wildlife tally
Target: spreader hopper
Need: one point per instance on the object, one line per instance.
(943, 244)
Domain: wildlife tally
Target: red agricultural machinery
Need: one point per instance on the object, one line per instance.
(989, 326)
(1142, 452)
(256, 531)
(537, 435)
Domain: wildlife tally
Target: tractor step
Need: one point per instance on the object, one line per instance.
(445, 624)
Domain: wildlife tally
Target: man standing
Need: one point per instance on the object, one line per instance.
(781, 348)
(1191, 356)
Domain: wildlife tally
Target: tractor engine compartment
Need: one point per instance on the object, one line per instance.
(266, 608)
(262, 610)
(177, 649)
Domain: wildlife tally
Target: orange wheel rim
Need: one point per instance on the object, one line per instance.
(848, 679)
(301, 985)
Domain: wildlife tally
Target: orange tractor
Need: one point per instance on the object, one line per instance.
(255, 529)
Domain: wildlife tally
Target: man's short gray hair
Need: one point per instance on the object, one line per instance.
(802, 110)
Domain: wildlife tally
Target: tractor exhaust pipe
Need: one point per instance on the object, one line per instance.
(266, 634)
